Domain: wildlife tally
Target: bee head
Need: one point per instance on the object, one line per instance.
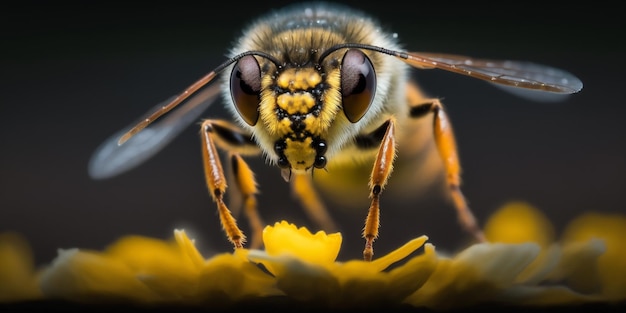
(298, 103)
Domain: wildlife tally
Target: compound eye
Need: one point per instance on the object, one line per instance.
(358, 84)
(245, 88)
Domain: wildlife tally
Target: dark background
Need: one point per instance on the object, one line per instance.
(71, 74)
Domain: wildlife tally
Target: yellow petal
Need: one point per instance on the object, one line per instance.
(519, 222)
(360, 284)
(364, 284)
(542, 267)
(499, 263)
(149, 255)
(285, 238)
(362, 269)
(18, 281)
(384, 262)
(411, 276)
(578, 266)
(611, 229)
(188, 249)
(89, 276)
(475, 275)
(353, 284)
(298, 279)
(231, 277)
(169, 268)
(564, 275)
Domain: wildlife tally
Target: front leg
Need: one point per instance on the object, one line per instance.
(230, 138)
(378, 179)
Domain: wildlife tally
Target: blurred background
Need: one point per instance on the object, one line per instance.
(72, 75)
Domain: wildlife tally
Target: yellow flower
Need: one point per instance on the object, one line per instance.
(306, 270)
(522, 264)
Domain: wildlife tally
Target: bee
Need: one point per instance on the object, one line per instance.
(310, 87)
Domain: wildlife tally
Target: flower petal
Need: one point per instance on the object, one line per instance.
(169, 268)
(384, 262)
(231, 277)
(188, 249)
(579, 266)
(354, 284)
(89, 276)
(300, 280)
(318, 248)
(519, 222)
(411, 276)
(148, 256)
(539, 269)
(475, 275)
(499, 263)
(365, 284)
(17, 274)
(611, 230)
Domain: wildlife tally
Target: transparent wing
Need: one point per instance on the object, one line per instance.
(525, 79)
(111, 158)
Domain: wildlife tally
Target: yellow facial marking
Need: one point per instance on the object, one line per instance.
(283, 81)
(307, 79)
(313, 124)
(300, 102)
(300, 154)
(283, 127)
(297, 79)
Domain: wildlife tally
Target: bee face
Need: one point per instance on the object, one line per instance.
(309, 100)
(298, 104)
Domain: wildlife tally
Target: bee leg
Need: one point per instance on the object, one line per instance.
(302, 188)
(227, 136)
(446, 144)
(247, 189)
(378, 179)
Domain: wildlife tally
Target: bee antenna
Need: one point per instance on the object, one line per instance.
(360, 46)
(236, 58)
